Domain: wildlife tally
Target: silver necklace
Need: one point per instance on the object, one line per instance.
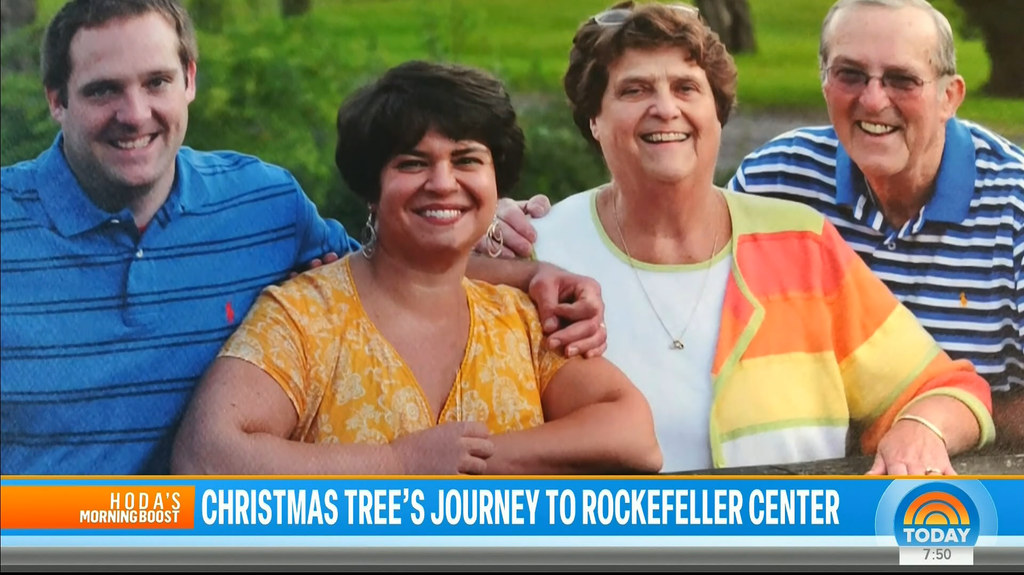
(677, 342)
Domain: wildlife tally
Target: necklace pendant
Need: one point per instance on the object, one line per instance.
(676, 344)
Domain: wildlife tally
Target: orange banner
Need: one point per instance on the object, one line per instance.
(97, 507)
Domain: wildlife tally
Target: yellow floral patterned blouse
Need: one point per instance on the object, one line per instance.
(349, 385)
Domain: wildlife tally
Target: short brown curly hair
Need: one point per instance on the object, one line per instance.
(648, 26)
(391, 115)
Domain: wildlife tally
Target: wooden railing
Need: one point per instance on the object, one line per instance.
(965, 464)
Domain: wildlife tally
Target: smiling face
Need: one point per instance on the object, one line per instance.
(127, 107)
(437, 199)
(888, 132)
(658, 122)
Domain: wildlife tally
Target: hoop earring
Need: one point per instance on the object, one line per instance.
(370, 235)
(495, 239)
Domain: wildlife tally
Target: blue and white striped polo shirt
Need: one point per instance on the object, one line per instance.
(956, 265)
(106, 331)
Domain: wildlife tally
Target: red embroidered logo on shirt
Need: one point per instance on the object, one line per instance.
(229, 312)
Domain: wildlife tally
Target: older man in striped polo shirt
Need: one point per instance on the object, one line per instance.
(933, 204)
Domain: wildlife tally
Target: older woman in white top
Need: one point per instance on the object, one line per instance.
(755, 332)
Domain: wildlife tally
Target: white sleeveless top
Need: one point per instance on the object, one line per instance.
(677, 383)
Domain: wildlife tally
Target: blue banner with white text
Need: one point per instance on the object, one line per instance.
(947, 511)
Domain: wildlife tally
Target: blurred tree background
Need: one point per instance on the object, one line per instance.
(273, 72)
(998, 24)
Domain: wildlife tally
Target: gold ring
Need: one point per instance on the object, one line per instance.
(932, 471)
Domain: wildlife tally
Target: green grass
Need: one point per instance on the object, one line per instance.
(526, 42)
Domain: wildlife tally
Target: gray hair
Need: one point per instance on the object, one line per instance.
(944, 55)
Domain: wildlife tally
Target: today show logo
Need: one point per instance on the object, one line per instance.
(936, 515)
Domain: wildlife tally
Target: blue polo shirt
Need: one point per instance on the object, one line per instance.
(957, 264)
(106, 330)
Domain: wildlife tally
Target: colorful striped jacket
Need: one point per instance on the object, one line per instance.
(810, 339)
(857, 353)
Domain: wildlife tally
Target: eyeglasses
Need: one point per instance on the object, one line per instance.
(616, 16)
(895, 84)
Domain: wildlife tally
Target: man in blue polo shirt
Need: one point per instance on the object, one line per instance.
(933, 204)
(128, 259)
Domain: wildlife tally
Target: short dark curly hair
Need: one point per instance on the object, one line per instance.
(391, 115)
(596, 47)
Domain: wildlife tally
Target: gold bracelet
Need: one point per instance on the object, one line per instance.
(925, 423)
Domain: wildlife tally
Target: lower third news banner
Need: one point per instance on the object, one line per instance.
(915, 521)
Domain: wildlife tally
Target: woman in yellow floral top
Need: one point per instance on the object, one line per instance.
(391, 360)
